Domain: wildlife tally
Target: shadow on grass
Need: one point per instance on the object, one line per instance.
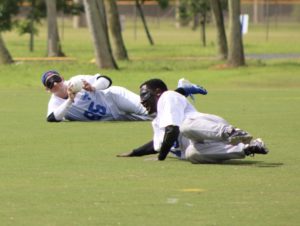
(237, 163)
(253, 163)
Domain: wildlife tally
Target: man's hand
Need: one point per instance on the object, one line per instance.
(87, 86)
(71, 95)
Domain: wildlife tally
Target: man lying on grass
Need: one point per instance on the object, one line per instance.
(197, 137)
(92, 98)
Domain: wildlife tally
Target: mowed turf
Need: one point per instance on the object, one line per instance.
(67, 173)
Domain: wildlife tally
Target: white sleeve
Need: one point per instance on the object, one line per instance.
(98, 81)
(102, 82)
(88, 78)
(61, 111)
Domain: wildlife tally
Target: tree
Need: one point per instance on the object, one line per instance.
(138, 5)
(236, 50)
(54, 46)
(163, 4)
(27, 25)
(182, 14)
(78, 16)
(5, 57)
(199, 10)
(8, 8)
(216, 6)
(31, 26)
(37, 11)
(96, 18)
(196, 11)
(120, 51)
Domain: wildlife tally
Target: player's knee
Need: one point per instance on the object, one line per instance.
(184, 129)
(192, 155)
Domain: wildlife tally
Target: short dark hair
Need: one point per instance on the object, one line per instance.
(154, 84)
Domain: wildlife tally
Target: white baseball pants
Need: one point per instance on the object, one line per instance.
(207, 142)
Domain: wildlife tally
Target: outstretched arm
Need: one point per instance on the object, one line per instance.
(146, 149)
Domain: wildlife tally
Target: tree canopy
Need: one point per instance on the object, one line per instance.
(8, 8)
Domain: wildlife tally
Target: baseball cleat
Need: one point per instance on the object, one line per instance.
(256, 146)
(239, 136)
(191, 88)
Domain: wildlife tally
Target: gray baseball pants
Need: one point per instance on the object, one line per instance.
(207, 143)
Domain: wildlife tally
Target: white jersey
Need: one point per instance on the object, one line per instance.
(200, 138)
(113, 103)
(172, 109)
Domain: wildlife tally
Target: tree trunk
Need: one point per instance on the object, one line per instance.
(78, 20)
(221, 34)
(196, 21)
(236, 56)
(120, 51)
(203, 30)
(139, 8)
(177, 14)
(31, 38)
(5, 57)
(54, 47)
(255, 11)
(96, 18)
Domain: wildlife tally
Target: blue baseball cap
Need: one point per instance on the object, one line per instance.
(47, 74)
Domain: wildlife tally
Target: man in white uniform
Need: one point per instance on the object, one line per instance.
(200, 137)
(97, 101)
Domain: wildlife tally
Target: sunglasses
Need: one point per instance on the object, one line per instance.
(50, 82)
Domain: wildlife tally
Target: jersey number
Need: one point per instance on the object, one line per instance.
(95, 112)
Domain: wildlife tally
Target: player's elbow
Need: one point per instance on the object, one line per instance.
(51, 118)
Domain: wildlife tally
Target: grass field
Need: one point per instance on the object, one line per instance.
(67, 173)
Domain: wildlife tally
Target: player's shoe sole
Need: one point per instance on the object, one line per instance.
(239, 136)
(256, 146)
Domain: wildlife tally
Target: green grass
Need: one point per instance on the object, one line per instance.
(67, 173)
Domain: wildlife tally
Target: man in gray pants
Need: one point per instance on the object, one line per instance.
(200, 138)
